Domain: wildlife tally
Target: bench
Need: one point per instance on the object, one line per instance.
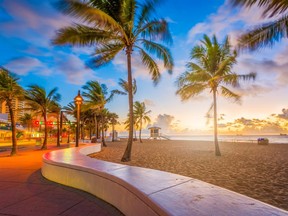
(142, 191)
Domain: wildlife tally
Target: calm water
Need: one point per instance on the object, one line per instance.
(229, 138)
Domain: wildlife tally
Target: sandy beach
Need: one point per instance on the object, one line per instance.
(257, 171)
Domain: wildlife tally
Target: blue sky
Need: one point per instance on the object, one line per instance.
(27, 27)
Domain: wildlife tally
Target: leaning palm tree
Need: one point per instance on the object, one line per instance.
(141, 116)
(56, 110)
(113, 121)
(124, 85)
(270, 32)
(211, 71)
(26, 120)
(10, 90)
(114, 26)
(42, 102)
(96, 97)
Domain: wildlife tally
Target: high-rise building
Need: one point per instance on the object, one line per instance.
(18, 107)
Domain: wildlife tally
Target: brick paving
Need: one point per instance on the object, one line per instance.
(25, 192)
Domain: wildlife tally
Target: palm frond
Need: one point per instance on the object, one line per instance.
(88, 14)
(229, 94)
(271, 7)
(146, 8)
(265, 35)
(190, 90)
(82, 35)
(161, 52)
(151, 65)
(155, 30)
(104, 55)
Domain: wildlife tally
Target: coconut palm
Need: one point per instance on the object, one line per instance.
(124, 85)
(9, 91)
(26, 120)
(211, 71)
(96, 97)
(141, 116)
(56, 110)
(127, 125)
(114, 26)
(113, 121)
(42, 102)
(270, 32)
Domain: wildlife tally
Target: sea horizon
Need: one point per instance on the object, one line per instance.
(273, 139)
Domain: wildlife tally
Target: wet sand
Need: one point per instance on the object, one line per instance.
(257, 171)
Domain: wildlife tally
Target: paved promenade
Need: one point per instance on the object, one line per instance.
(24, 192)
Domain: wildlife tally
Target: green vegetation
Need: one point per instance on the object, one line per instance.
(114, 26)
(270, 32)
(211, 71)
(10, 90)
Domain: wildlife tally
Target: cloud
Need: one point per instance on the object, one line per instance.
(227, 20)
(25, 65)
(74, 69)
(149, 102)
(272, 124)
(31, 23)
(168, 124)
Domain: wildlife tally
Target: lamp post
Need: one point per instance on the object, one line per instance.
(78, 101)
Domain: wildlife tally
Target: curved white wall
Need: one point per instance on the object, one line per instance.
(141, 191)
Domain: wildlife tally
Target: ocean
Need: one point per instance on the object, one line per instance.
(276, 139)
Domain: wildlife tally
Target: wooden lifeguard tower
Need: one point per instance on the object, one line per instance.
(155, 133)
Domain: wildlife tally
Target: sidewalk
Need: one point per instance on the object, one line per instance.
(25, 192)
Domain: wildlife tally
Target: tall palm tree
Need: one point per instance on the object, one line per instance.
(270, 32)
(124, 85)
(42, 102)
(10, 90)
(56, 110)
(26, 120)
(114, 26)
(96, 97)
(211, 71)
(113, 121)
(141, 116)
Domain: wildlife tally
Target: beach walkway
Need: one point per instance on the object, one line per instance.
(25, 192)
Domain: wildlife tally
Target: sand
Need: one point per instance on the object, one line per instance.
(257, 171)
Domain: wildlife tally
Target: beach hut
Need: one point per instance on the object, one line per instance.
(154, 132)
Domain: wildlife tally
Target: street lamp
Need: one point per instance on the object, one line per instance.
(78, 101)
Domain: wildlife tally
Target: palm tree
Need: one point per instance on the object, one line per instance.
(114, 26)
(42, 102)
(95, 95)
(113, 121)
(104, 124)
(56, 109)
(270, 32)
(141, 116)
(127, 126)
(124, 85)
(26, 120)
(10, 90)
(211, 71)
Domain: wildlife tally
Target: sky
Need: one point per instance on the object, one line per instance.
(27, 27)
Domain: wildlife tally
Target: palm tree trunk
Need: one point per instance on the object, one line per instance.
(217, 149)
(61, 125)
(140, 132)
(13, 127)
(58, 131)
(44, 146)
(102, 130)
(113, 139)
(127, 154)
(68, 138)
